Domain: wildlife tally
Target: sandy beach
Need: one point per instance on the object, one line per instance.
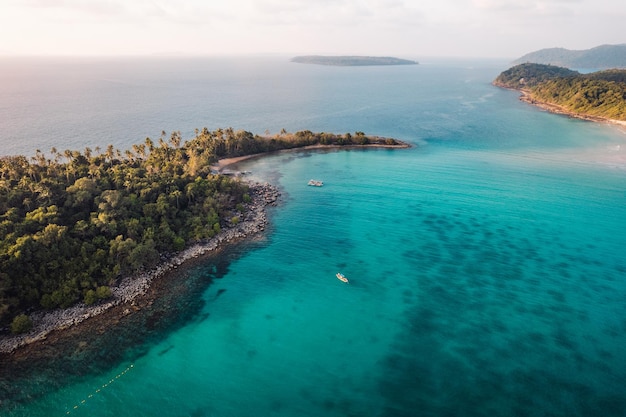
(224, 164)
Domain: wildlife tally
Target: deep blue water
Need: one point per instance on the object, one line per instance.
(486, 264)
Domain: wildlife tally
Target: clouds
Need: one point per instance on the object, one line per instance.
(529, 9)
(70, 8)
(443, 27)
(260, 12)
(327, 13)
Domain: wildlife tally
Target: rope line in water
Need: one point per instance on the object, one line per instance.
(98, 390)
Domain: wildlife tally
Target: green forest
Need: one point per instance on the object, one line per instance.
(73, 222)
(600, 94)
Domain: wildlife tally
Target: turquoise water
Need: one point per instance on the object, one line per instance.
(486, 265)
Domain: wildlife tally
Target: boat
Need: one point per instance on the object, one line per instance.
(341, 277)
(316, 183)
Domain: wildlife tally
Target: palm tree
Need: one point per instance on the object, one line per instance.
(68, 155)
(175, 139)
(177, 194)
(110, 153)
(149, 144)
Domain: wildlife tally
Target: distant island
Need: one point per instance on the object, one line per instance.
(598, 96)
(600, 57)
(348, 61)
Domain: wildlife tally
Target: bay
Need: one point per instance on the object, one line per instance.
(486, 262)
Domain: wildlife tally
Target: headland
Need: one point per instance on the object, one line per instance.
(597, 96)
(133, 292)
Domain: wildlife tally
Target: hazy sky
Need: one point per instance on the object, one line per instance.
(406, 28)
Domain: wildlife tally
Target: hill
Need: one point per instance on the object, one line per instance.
(528, 75)
(600, 57)
(597, 96)
(351, 60)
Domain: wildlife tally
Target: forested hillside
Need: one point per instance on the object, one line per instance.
(599, 94)
(600, 57)
(529, 75)
(72, 222)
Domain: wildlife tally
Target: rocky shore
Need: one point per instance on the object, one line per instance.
(526, 97)
(124, 294)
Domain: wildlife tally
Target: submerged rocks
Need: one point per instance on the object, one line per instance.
(253, 221)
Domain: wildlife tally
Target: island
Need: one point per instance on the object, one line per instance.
(598, 96)
(348, 60)
(86, 232)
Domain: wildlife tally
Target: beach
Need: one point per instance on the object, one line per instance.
(223, 164)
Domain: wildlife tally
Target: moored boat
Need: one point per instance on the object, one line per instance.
(316, 183)
(341, 277)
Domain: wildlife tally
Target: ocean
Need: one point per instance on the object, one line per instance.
(486, 263)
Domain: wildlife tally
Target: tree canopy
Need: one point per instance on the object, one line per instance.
(529, 75)
(601, 94)
(73, 222)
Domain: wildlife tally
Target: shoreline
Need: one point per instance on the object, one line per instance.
(557, 109)
(224, 163)
(50, 325)
(130, 288)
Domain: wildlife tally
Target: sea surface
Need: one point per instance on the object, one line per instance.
(486, 263)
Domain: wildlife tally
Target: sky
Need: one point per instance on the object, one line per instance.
(404, 28)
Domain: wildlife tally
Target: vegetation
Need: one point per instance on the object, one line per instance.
(600, 94)
(351, 60)
(529, 75)
(74, 222)
(21, 324)
(600, 57)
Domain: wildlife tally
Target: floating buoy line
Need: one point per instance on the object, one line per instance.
(99, 390)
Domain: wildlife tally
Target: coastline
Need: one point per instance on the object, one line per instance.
(126, 296)
(130, 288)
(556, 109)
(224, 163)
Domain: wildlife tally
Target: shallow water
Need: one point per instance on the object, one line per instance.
(485, 264)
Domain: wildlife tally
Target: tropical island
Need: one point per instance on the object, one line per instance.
(597, 96)
(83, 231)
(348, 60)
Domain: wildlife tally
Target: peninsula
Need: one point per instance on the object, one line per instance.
(86, 232)
(598, 96)
(347, 60)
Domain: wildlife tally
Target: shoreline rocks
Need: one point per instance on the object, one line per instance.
(254, 221)
(557, 109)
(526, 97)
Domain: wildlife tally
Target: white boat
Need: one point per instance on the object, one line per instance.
(316, 183)
(341, 277)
